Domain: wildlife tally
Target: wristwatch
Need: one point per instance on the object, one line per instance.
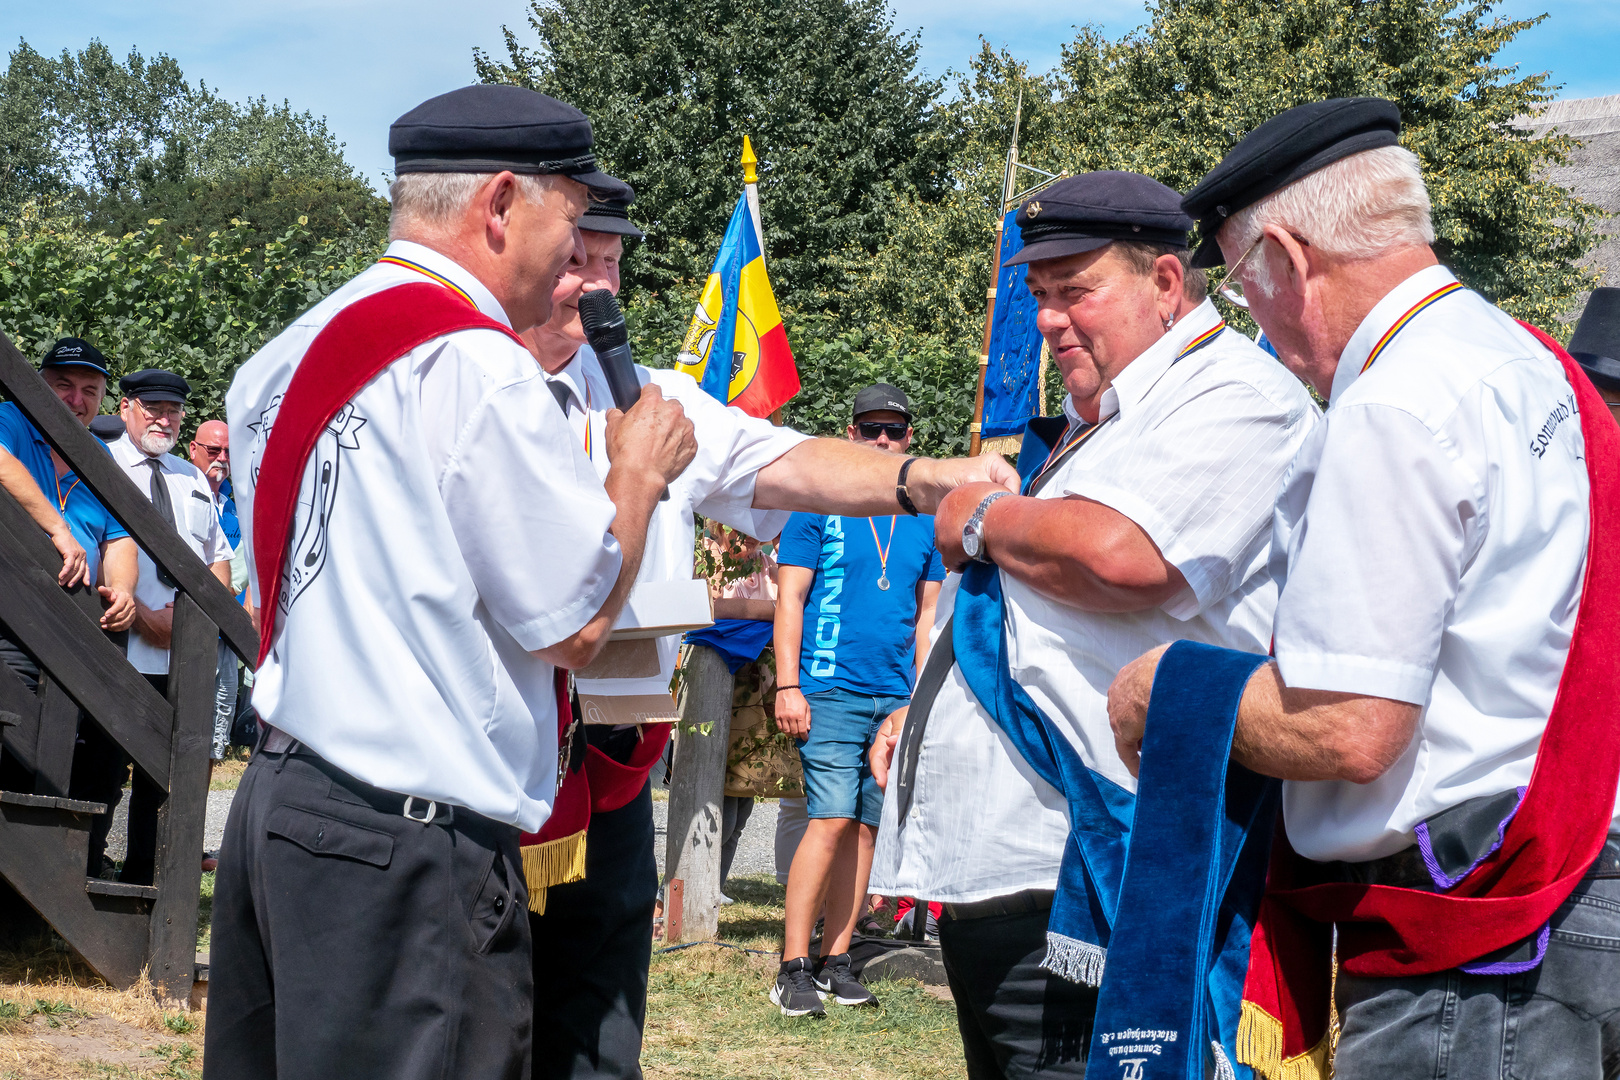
(972, 532)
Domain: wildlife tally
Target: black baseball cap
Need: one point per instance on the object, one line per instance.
(107, 427)
(612, 215)
(75, 352)
(1083, 213)
(1288, 147)
(881, 397)
(1595, 345)
(487, 129)
(154, 384)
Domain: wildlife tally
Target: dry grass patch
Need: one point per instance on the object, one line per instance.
(58, 1021)
(227, 774)
(709, 1016)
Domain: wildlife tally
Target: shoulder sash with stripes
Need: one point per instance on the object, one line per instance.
(1400, 323)
(395, 260)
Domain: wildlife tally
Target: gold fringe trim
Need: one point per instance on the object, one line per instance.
(555, 862)
(1260, 1046)
(1005, 445)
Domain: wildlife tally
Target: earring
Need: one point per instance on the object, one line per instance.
(1171, 321)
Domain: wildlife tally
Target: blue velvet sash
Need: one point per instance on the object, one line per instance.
(1165, 885)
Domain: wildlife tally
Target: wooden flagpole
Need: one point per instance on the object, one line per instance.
(977, 426)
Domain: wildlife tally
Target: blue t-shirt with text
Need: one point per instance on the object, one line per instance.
(856, 635)
(86, 518)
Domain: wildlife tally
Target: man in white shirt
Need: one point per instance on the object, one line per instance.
(1149, 522)
(1430, 546)
(592, 947)
(153, 407)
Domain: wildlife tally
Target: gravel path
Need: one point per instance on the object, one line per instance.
(756, 852)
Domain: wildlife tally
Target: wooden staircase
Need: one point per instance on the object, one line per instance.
(120, 930)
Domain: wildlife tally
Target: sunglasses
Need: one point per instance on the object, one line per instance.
(212, 451)
(871, 429)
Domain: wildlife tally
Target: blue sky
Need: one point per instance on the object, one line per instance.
(361, 63)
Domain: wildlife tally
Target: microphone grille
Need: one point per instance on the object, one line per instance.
(598, 312)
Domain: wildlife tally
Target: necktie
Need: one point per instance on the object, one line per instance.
(560, 391)
(165, 507)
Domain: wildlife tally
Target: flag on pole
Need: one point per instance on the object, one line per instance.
(757, 373)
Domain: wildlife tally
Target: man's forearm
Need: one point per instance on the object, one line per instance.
(787, 636)
(834, 476)
(634, 493)
(1080, 553)
(1297, 734)
(752, 610)
(120, 565)
(19, 483)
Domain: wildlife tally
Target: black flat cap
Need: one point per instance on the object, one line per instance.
(486, 129)
(1086, 212)
(75, 352)
(1284, 149)
(1595, 345)
(107, 427)
(154, 384)
(612, 215)
(881, 397)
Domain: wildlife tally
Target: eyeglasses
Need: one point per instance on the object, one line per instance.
(1230, 287)
(162, 411)
(871, 429)
(213, 451)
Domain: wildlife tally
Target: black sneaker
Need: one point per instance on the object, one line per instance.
(835, 980)
(795, 990)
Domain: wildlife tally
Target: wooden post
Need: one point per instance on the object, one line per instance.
(193, 660)
(696, 795)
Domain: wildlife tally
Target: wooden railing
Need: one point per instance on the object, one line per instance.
(119, 929)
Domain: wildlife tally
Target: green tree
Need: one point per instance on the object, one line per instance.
(671, 88)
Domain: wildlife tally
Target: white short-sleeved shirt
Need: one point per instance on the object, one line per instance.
(197, 522)
(448, 526)
(1194, 457)
(719, 483)
(1430, 545)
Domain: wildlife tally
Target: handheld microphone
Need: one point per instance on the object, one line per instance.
(603, 321)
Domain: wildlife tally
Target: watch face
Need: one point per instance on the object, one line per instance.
(970, 542)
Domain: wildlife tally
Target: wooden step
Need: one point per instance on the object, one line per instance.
(52, 802)
(101, 887)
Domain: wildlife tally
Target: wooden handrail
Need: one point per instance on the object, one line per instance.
(126, 502)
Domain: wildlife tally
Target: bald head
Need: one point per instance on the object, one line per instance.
(210, 451)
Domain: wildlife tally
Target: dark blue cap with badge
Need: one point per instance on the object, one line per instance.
(1284, 149)
(487, 129)
(154, 384)
(612, 215)
(75, 352)
(1595, 344)
(1083, 213)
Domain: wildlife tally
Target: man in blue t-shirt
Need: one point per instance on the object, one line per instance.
(854, 607)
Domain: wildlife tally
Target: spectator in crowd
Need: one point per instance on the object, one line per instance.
(1148, 521)
(95, 549)
(210, 452)
(867, 588)
(153, 407)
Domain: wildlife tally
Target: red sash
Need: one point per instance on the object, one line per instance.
(358, 344)
(1553, 839)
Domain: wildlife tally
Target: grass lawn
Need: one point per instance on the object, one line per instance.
(708, 1015)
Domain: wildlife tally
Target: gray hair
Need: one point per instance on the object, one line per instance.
(432, 199)
(1357, 208)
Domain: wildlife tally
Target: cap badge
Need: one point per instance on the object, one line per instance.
(1034, 209)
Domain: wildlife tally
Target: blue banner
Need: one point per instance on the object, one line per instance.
(1012, 380)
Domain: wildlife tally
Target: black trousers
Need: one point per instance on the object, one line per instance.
(1016, 1020)
(350, 941)
(592, 948)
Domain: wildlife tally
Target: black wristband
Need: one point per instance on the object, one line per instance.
(901, 495)
(795, 686)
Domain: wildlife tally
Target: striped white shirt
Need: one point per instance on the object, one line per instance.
(1195, 457)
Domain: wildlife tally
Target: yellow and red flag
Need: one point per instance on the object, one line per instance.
(756, 373)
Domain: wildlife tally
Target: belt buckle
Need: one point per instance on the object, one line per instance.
(427, 819)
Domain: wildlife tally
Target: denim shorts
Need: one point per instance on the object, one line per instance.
(837, 772)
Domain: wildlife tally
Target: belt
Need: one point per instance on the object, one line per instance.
(1406, 870)
(424, 811)
(1019, 903)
